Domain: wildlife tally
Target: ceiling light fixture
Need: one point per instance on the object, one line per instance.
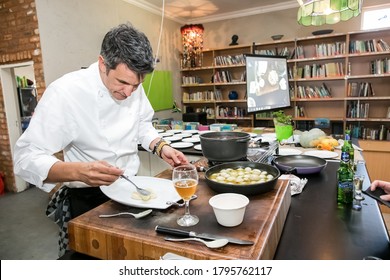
(192, 38)
(319, 12)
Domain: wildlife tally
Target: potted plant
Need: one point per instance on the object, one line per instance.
(283, 125)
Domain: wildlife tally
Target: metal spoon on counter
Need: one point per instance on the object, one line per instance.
(217, 243)
(135, 215)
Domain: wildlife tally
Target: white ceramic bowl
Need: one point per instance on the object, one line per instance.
(229, 208)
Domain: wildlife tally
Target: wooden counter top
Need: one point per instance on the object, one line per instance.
(128, 238)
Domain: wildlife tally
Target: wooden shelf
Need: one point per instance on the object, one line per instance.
(330, 50)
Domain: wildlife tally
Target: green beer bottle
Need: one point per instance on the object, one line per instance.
(345, 174)
(351, 150)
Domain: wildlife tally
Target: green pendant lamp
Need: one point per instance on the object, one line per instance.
(319, 12)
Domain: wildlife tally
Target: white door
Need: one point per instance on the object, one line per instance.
(9, 88)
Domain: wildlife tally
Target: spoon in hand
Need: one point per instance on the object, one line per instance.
(141, 191)
(217, 243)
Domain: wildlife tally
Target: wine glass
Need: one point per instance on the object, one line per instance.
(185, 179)
(357, 185)
(357, 189)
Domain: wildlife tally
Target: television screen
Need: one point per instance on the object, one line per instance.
(266, 82)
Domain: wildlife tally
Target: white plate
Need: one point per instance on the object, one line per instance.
(198, 147)
(204, 131)
(182, 145)
(165, 134)
(172, 138)
(288, 151)
(121, 190)
(174, 131)
(183, 135)
(321, 154)
(191, 140)
(193, 131)
(268, 135)
(159, 130)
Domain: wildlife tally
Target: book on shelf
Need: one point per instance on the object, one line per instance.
(329, 49)
(357, 109)
(360, 89)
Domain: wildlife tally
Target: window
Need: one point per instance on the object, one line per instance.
(376, 17)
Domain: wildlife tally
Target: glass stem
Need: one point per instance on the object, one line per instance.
(187, 208)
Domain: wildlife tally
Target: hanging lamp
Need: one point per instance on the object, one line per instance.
(192, 38)
(319, 12)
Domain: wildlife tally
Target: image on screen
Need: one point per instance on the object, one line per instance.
(267, 83)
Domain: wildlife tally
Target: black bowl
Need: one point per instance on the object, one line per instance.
(250, 189)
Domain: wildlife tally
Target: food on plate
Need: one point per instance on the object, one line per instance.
(137, 196)
(241, 176)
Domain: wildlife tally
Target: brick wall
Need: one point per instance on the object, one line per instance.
(19, 42)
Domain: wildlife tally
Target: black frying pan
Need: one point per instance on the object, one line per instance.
(251, 189)
(299, 164)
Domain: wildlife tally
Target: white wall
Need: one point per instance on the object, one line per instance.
(71, 33)
(260, 28)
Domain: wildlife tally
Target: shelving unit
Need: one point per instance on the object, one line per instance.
(323, 70)
(207, 88)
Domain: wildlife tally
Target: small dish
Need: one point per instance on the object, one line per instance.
(172, 138)
(191, 140)
(198, 147)
(181, 145)
(174, 131)
(165, 134)
(277, 37)
(229, 208)
(183, 135)
(322, 32)
(321, 154)
(192, 131)
(288, 151)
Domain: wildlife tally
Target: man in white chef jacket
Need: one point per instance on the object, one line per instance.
(96, 116)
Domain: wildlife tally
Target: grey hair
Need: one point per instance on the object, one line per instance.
(125, 44)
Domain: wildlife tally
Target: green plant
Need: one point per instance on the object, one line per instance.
(281, 118)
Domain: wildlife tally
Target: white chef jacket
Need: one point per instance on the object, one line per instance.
(78, 115)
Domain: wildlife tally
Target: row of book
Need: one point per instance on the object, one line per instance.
(225, 76)
(374, 45)
(380, 66)
(284, 51)
(189, 80)
(323, 50)
(207, 95)
(331, 69)
(209, 110)
(230, 60)
(329, 49)
(360, 89)
(357, 109)
(313, 91)
(230, 112)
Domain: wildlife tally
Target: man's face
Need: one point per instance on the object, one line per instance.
(120, 82)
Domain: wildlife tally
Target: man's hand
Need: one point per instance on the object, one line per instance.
(173, 157)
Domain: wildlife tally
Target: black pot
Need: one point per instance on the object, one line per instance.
(251, 189)
(224, 146)
(299, 164)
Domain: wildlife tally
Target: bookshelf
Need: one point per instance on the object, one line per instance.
(207, 88)
(341, 77)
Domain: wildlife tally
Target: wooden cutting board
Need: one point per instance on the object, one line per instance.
(128, 238)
